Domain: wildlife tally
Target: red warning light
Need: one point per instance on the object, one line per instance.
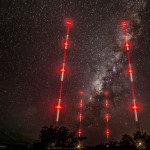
(135, 107)
(79, 132)
(80, 117)
(106, 104)
(69, 22)
(107, 131)
(124, 24)
(62, 70)
(106, 93)
(130, 70)
(81, 104)
(81, 92)
(127, 45)
(58, 107)
(107, 116)
(66, 43)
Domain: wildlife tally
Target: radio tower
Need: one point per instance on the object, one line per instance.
(130, 70)
(107, 116)
(68, 23)
(80, 118)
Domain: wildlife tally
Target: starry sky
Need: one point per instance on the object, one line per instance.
(31, 53)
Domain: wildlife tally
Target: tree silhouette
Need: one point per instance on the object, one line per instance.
(127, 142)
(55, 137)
(112, 144)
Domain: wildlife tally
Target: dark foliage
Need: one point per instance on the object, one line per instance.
(60, 137)
(139, 140)
(127, 142)
(55, 137)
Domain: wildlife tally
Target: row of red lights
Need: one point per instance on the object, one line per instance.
(130, 70)
(80, 115)
(68, 23)
(107, 116)
(124, 26)
(127, 45)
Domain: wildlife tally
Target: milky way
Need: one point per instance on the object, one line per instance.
(31, 53)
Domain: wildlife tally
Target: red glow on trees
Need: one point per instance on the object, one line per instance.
(124, 24)
(69, 22)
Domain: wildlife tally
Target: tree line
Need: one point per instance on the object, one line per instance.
(55, 137)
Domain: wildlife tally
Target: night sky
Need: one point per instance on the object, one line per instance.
(31, 53)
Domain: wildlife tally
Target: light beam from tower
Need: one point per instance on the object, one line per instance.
(68, 23)
(125, 25)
